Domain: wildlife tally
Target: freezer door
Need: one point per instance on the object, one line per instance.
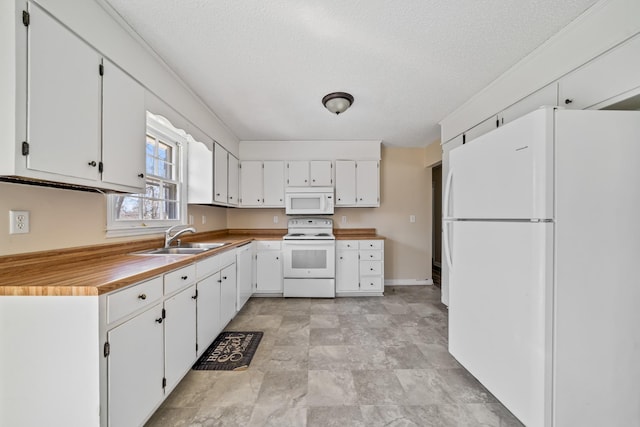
(507, 173)
(500, 311)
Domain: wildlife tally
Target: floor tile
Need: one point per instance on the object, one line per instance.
(288, 387)
(335, 416)
(331, 388)
(423, 387)
(378, 387)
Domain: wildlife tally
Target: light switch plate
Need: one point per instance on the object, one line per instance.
(18, 222)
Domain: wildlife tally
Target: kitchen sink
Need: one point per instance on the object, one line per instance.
(184, 249)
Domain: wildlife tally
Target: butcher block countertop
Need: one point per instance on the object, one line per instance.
(99, 269)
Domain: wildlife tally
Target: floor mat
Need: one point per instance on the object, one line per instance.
(231, 351)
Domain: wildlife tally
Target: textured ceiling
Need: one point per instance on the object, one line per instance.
(264, 66)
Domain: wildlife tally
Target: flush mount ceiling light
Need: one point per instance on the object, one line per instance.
(337, 102)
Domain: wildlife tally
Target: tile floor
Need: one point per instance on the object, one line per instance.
(379, 361)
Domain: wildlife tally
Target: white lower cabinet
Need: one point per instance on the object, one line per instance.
(359, 267)
(179, 336)
(228, 293)
(208, 311)
(269, 267)
(135, 368)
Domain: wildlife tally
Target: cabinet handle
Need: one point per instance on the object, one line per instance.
(568, 101)
(371, 256)
(230, 197)
(371, 268)
(277, 258)
(93, 163)
(142, 296)
(340, 257)
(217, 194)
(224, 277)
(280, 199)
(196, 296)
(184, 277)
(140, 175)
(219, 281)
(314, 180)
(159, 320)
(258, 200)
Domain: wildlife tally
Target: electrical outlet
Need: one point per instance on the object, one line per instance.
(18, 222)
(204, 219)
(412, 218)
(344, 219)
(276, 219)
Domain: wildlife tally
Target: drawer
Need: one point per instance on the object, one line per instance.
(371, 283)
(208, 266)
(346, 244)
(370, 268)
(269, 245)
(126, 301)
(370, 255)
(178, 279)
(371, 244)
(227, 258)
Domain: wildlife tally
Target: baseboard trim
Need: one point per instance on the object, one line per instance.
(407, 282)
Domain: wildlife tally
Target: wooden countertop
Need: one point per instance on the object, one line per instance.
(99, 269)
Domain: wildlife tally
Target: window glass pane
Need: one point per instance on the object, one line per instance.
(170, 192)
(153, 190)
(152, 209)
(171, 210)
(127, 208)
(164, 151)
(165, 170)
(149, 167)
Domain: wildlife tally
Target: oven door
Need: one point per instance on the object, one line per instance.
(309, 258)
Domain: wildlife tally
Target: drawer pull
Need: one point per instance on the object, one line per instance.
(224, 277)
(140, 175)
(142, 296)
(371, 256)
(371, 268)
(159, 320)
(184, 277)
(219, 281)
(568, 101)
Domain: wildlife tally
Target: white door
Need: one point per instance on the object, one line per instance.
(347, 271)
(123, 128)
(274, 184)
(345, 182)
(220, 174)
(367, 182)
(251, 183)
(507, 173)
(200, 170)
(64, 105)
(228, 294)
(298, 174)
(135, 368)
(269, 272)
(233, 187)
(179, 335)
(208, 311)
(500, 309)
(320, 173)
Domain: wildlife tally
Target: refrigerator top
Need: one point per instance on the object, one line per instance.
(506, 174)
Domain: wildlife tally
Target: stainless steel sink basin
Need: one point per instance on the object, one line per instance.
(184, 249)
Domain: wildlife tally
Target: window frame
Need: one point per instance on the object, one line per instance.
(161, 129)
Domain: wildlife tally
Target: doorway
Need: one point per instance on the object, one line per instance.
(436, 182)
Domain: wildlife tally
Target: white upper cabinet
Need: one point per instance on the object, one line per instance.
(345, 183)
(357, 183)
(200, 174)
(83, 127)
(604, 78)
(480, 129)
(251, 186)
(320, 173)
(63, 117)
(123, 128)
(316, 173)
(233, 189)
(273, 184)
(220, 174)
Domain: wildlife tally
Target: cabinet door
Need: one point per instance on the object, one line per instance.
(123, 128)
(179, 335)
(64, 102)
(345, 182)
(480, 129)
(220, 174)
(135, 368)
(347, 274)
(228, 294)
(269, 272)
(233, 190)
(546, 96)
(200, 173)
(298, 174)
(320, 173)
(367, 183)
(208, 311)
(274, 184)
(244, 261)
(607, 76)
(251, 183)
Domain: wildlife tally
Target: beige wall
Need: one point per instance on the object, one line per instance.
(406, 190)
(65, 218)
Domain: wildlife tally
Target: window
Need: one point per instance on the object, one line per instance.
(162, 204)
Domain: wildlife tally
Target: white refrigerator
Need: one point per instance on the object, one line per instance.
(544, 257)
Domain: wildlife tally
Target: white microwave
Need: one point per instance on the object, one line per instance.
(309, 200)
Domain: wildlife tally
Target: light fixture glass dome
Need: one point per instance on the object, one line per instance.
(337, 102)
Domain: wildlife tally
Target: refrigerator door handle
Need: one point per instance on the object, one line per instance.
(447, 247)
(447, 195)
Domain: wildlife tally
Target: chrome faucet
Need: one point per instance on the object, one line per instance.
(168, 238)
